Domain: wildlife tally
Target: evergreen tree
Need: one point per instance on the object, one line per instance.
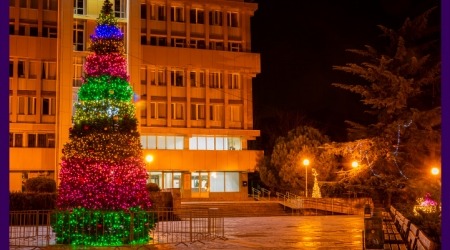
(103, 175)
(401, 88)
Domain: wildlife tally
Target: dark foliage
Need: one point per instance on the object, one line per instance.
(40, 185)
(19, 201)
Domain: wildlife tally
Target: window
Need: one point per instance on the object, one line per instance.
(224, 182)
(18, 140)
(33, 4)
(177, 14)
(77, 71)
(32, 69)
(231, 182)
(216, 112)
(161, 77)
(11, 68)
(78, 36)
(235, 113)
(31, 105)
(22, 30)
(21, 69)
(78, 7)
(23, 4)
(215, 17)
(50, 32)
(31, 140)
(158, 12)
(33, 31)
(48, 70)
(12, 3)
(216, 45)
(233, 81)
(158, 41)
(197, 44)
(214, 143)
(50, 5)
(232, 19)
(197, 111)
(143, 74)
(197, 78)
(21, 105)
(46, 140)
(177, 78)
(48, 106)
(158, 110)
(143, 11)
(234, 46)
(178, 42)
(177, 111)
(197, 16)
(215, 80)
(120, 8)
(162, 142)
(11, 29)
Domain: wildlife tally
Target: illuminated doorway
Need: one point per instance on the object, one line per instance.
(199, 185)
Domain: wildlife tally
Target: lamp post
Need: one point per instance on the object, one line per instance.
(306, 163)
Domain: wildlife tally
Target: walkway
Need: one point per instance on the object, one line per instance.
(286, 232)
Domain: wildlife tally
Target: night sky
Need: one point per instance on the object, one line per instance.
(300, 41)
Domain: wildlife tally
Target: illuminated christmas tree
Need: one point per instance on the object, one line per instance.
(103, 175)
(316, 189)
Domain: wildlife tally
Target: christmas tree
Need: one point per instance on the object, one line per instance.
(316, 189)
(103, 175)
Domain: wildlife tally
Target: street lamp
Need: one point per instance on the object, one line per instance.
(435, 171)
(355, 164)
(306, 163)
(149, 158)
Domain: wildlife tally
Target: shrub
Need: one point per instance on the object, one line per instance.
(40, 185)
(152, 187)
(19, 201)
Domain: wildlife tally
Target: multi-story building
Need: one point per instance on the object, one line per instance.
(190, 66)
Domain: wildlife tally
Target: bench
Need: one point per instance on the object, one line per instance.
(423, 243)
(412, 236)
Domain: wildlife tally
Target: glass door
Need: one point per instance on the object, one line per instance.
(199, 185)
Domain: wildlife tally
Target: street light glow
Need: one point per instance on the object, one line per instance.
(149, 158)
(435, 171)
(306, 162)
(354, 164)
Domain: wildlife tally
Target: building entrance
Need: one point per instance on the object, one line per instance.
(199, 185)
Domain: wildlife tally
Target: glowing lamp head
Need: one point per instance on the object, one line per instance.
(306, 162)
(354, 164)
(435, 171)
(149, 158)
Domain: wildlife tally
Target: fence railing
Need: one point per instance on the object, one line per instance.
(33, 229)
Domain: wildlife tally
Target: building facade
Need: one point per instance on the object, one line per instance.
(190, 66)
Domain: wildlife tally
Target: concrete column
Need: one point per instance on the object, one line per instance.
(63, 79)
(245, 81)
(225, 100)
(169, 97)
(188, 97)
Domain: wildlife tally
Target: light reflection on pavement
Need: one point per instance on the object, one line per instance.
(285, 232)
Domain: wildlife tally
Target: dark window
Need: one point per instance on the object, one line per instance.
(21, 69)
(23, 3)
(11, 29)
(33, 31)
(21, 30)
(18, 138)
(46, 106)
(31, 140)
(42, 140)
(161, 13)
(12, 3)
(11, 139)
(34, 4)
(11, 68)
(143, 11)
(143, 39)
(51, 140)
(162, 41)
(153, 40)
